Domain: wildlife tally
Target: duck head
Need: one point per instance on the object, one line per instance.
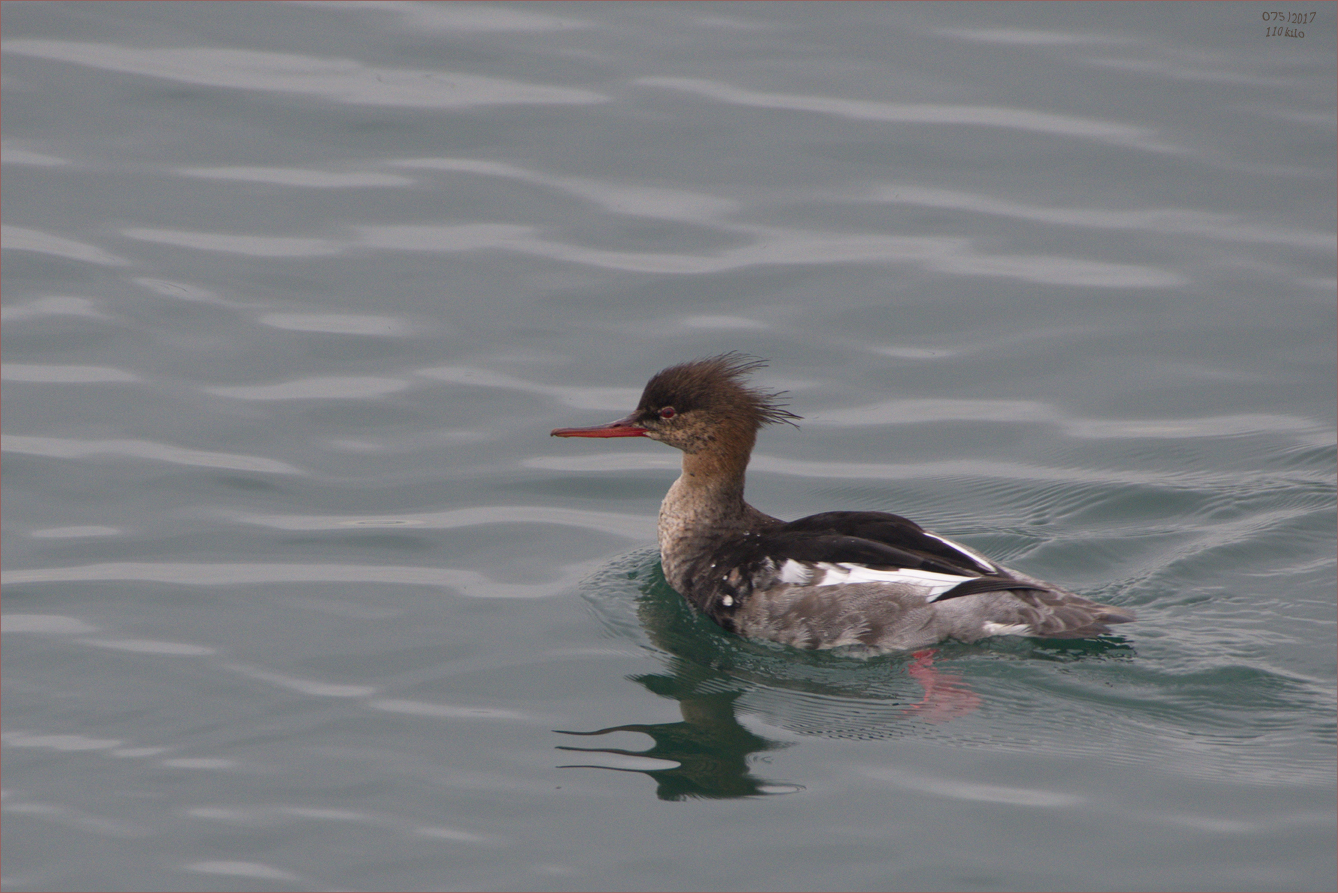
(704, 406)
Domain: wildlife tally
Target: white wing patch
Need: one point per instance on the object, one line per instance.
(1005, 629)
(794, 572)
(980, 561)
(824, 573)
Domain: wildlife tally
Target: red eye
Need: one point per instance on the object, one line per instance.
(667, 413)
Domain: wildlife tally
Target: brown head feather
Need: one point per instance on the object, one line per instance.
(717, 385)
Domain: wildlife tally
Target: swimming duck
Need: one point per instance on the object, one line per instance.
(870, 581)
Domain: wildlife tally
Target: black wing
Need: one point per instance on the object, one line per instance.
(897, 537)
(881, 540)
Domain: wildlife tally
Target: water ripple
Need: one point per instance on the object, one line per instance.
(616, 198)
(338, 323)
(450, 711)
(579, 397)
(763, 245)
(324, 388)
(1124, 135)
(70, 448)
(265, 816)
(459, 17)
(78, 819)
(1162, 221)
(300, 177)
(151, 646)
(637, 527)
(302, 686)
(332, 79)
(51, 305)
(619, 461)
(50, 624)
(780, 247)
(1027, 37)
(18, 238)
(968, 790)
(10, 153)
(914, 412)
(253, 870)
(466, 582)
(251, 246)
(77, 531)
(183, 291)
(53, 374)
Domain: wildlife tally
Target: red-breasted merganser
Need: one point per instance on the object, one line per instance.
(870, 580)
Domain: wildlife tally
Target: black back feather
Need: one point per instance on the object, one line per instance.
(877, 540)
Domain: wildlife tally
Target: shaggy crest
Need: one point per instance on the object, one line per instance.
(718, 383)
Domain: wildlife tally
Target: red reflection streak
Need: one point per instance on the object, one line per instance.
(946, 697)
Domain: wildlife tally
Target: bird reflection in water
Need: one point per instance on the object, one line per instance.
(947, 696)
(711, 748)
(713, 753)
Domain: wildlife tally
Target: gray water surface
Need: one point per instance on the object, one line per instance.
(298, 593)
